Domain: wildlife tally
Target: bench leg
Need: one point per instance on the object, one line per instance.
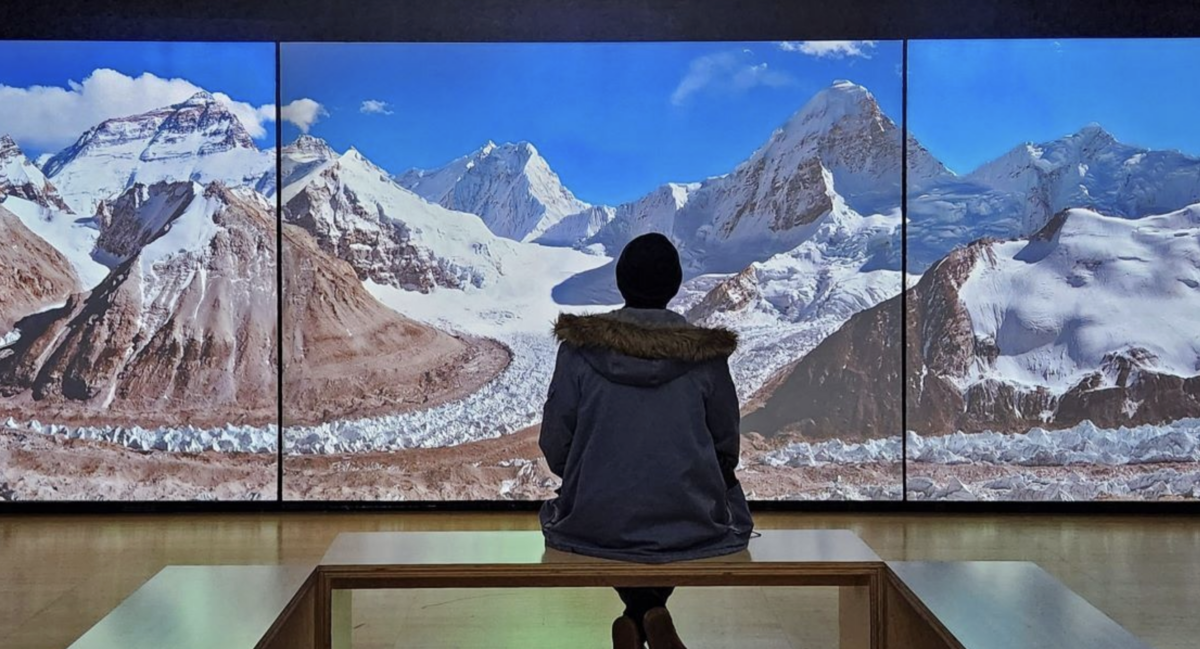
(856, 621)
(341, 623)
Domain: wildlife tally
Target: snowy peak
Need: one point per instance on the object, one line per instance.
(199, 139)
(310, 145)
(303, 156)
(388, 234)
(511, 187)
(201, 125)
(21, 178)
(1091, 168)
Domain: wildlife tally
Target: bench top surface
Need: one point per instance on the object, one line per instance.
(1006, 604)
(429, 549)
(199, 607)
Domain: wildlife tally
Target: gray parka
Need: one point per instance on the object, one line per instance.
(641, 423)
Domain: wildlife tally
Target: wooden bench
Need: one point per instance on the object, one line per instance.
(992, 605)
(520, 560)
(213, 607)
(896, 605)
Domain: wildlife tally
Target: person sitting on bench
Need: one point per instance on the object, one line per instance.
(641, 423)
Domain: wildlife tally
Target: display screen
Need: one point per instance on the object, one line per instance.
(138, 317)
(1053, 347)
(443, 203)
(1022, 328)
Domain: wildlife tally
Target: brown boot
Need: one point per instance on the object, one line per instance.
(660, 630)
(625, 634)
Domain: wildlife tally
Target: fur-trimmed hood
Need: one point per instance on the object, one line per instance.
(646, 334)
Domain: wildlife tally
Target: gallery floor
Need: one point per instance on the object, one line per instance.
(62, 574)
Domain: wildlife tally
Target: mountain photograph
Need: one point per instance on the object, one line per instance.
(1052, 348)
(138, 338)
(449, 214)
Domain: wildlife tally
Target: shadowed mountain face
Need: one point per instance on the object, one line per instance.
(36, 274)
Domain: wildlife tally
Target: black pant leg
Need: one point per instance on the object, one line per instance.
(640, 600)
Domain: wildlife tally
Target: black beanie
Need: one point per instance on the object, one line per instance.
(648, 272)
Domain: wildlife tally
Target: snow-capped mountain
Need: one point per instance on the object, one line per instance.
(784, 306)
(1091, 169)
(303, 156)
(510, 186)
(1018, 193)
(21, 178)
(30, 197)
(654, 212)
(36, 276)
(1089, 319)
(198, 140)
(838, 147)
(182, 330)
(388, 234)
(578, 227)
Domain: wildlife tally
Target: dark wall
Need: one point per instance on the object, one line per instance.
(564, 20)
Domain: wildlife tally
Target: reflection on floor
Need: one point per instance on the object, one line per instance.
(62, 574)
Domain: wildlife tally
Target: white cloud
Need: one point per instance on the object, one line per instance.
(830, 49)
(375, 107)
(727, 72)
(303, 113)
(51, 117)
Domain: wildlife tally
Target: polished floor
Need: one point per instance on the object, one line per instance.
(58, 575)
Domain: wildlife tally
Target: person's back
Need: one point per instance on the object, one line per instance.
(641, 417)
(641, 423)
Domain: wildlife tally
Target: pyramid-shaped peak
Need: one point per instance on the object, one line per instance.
(1094, 131)
(309, 143)
(843, 92)
(200, 98)
(8, 146)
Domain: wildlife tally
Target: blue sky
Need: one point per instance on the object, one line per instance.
(614, 120)
(971, 101)
(35, 116)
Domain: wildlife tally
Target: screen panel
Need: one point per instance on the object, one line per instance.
(442, 203)
(1053, 350)
(138, 325)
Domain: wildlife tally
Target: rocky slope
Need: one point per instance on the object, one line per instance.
(347, 355)
(182, 330)
(389, 235)
(34, 274)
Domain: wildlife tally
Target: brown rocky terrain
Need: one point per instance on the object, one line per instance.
(847, 388)
(34, 275)
(347, 355)
(34, 466)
